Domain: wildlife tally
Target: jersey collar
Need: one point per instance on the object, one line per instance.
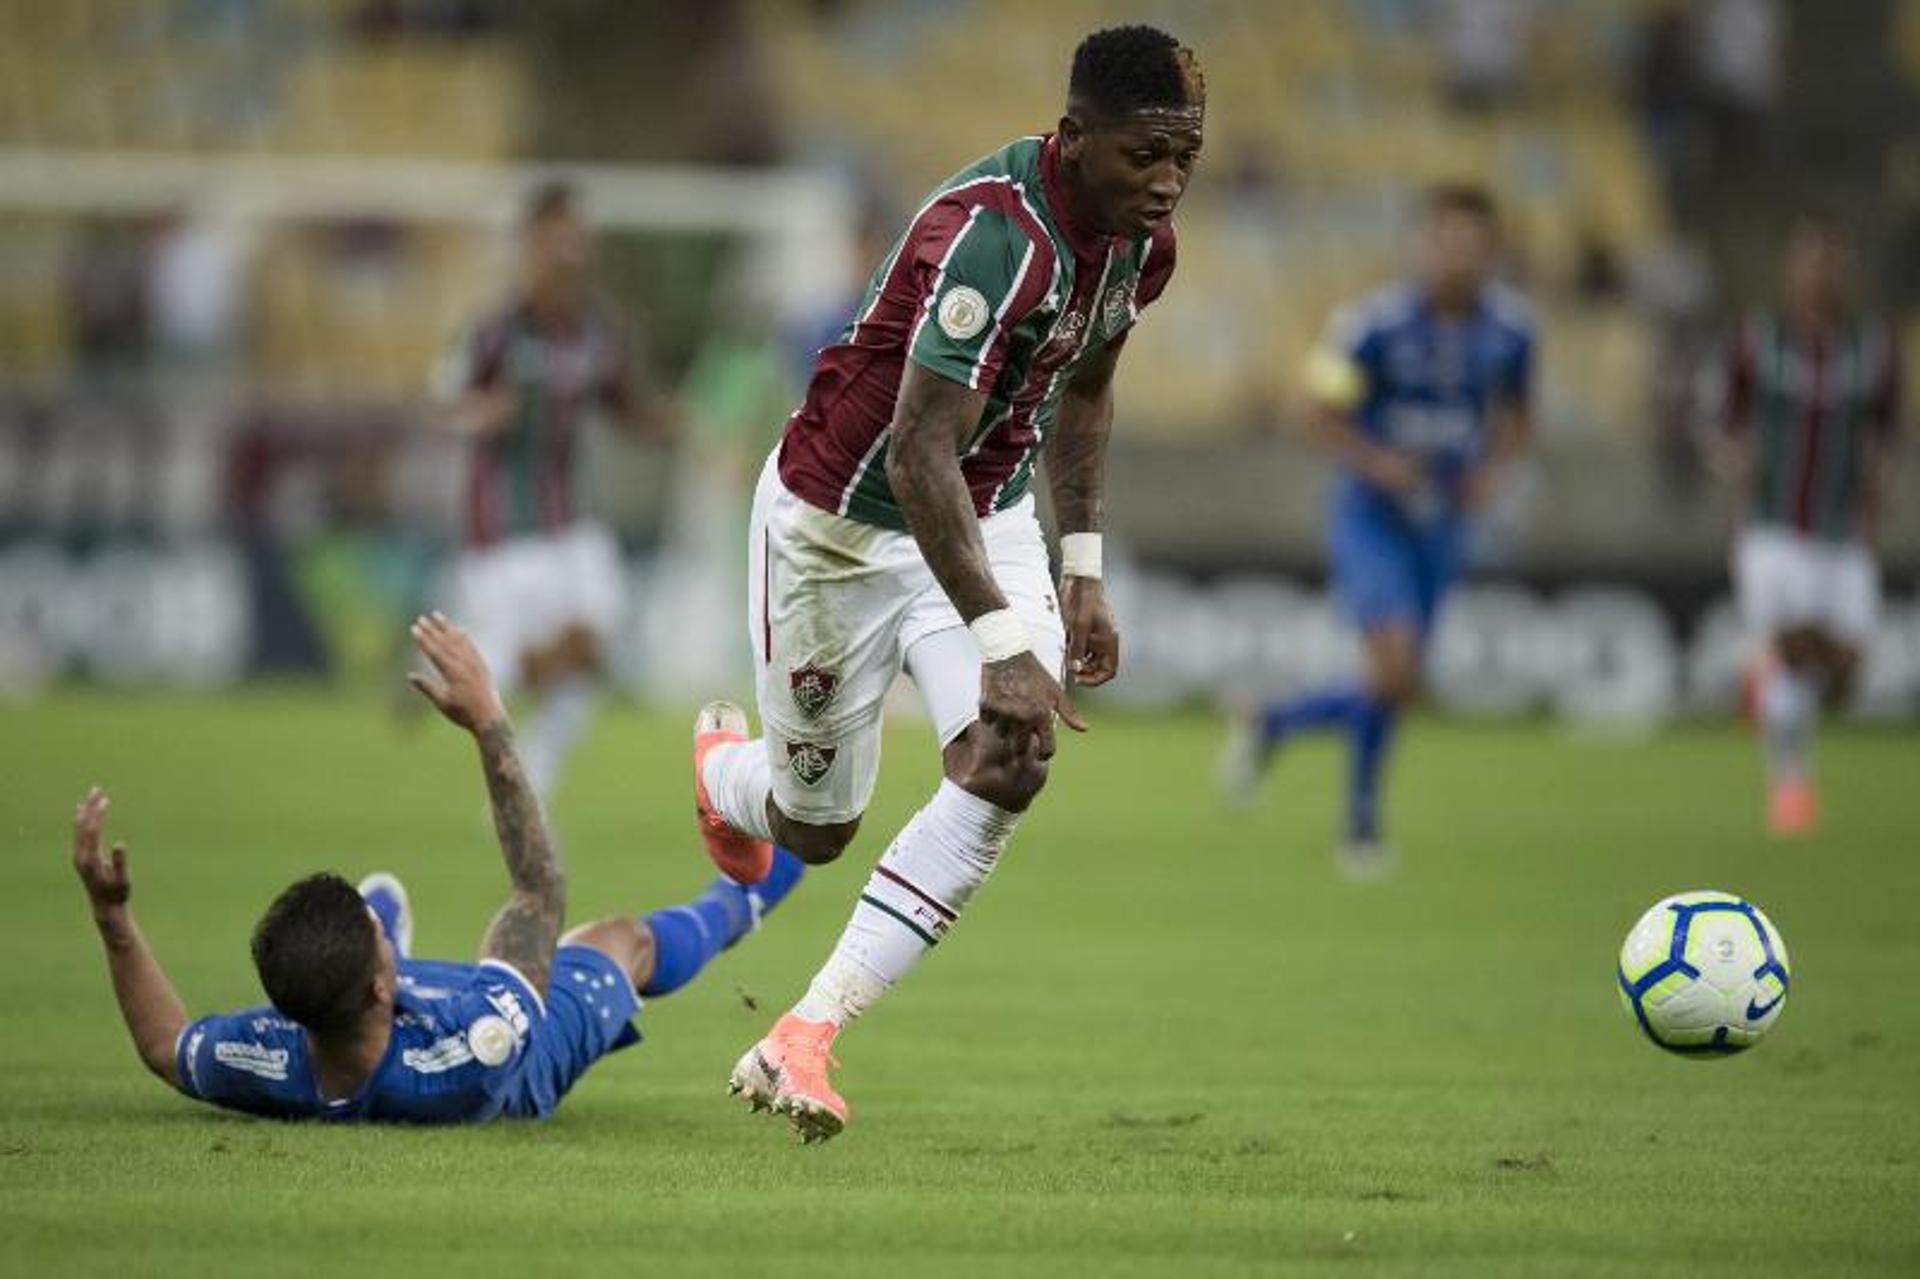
(347, 1106)
(1423, 295)
(1084, 240)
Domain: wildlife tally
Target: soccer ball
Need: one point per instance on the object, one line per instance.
(1704, 974)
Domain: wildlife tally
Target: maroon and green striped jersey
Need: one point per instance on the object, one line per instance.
(1818, 408)
(992, 285)
(522, 479)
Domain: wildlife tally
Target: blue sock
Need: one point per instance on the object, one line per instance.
(1341, 704)
(686, 938)
(1372, 735)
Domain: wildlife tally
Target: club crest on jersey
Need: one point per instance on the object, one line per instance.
(810, 761)
(962, 312)
(1065, 336)
(1116, 309)
(812, 688)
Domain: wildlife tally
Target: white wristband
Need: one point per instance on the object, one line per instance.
(1080, 555)
(1000, 634)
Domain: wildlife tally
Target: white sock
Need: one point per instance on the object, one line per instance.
(934, 866)
(739, 779)
(562, 718)
(1789, 707)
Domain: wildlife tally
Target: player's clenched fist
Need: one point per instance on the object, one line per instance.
(1093, 645)
(464, 690)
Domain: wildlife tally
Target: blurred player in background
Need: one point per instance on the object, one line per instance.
(894, 527)
(539, 581)
(359, 1030)
(1421, 396)
(1812, 398)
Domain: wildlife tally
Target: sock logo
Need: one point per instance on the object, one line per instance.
(810, 761)
(813, 688)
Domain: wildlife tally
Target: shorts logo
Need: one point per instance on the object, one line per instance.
(962, 312)
(813, 689)
(1116, 308)
(809, 761)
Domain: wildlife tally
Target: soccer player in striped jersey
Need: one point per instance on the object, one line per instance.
(1812, 398)
(1422, 396)
(539, 581)
(894, 527)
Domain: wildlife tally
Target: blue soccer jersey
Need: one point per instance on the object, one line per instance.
(1427, 383)
(471, 1042)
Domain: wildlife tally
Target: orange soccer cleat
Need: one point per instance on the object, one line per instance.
(740, 857)
(786, 1073)
(1793, 808)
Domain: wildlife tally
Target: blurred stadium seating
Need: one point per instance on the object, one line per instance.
(204, 263)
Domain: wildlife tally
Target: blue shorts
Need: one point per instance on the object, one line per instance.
(1388, 570)
(590, 1007)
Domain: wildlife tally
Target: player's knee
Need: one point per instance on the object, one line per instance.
(1000, 777)
(627, 942)
(1398, 685)
(1799, 649)
(1843, 665)
(814, 845)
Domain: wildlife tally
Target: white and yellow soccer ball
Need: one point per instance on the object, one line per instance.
(1704, 974)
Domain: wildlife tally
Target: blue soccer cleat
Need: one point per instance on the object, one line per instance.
(387, 896)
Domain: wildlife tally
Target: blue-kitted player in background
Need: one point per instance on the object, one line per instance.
(1420, 393)
(357, 1029)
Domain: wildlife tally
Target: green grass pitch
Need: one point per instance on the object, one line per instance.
(1165, 1040)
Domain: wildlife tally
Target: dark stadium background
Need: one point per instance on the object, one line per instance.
(236, 237)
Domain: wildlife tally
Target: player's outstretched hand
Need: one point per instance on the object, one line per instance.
(1018, 700)
(106, 880)
(461, 688)
(1093, 645)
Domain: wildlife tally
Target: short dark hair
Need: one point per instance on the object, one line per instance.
(315, 950)
(1463, 197)
(1136, 68)
(548, 199)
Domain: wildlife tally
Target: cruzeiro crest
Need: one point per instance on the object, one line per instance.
(813, 688)
(1116, 309)
(809, 761)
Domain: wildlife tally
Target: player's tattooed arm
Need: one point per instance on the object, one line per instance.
(1077, 453)
(152, 1009)
(1076, 471)
(527, 928)
(931, 421)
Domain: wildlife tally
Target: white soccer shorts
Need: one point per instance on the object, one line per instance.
(1787, 579)
(520, 594)
(836, 608)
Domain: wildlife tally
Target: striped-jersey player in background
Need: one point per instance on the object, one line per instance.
(538, 579)
(894, 527)
(1811, 401)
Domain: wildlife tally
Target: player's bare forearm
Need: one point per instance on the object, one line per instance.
(526, 930)
(1077, 453)
(1335, 433)
(481, 411)
(148, 1002)
(931, 419)
(152, 1010)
